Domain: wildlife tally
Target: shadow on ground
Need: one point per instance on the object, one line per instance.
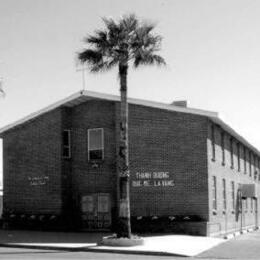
(41, 237)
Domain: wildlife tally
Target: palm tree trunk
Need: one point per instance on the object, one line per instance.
(124, 226)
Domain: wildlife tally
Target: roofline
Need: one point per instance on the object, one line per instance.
(97, 95)
(102, 96)
(38, 113)
(233, 133)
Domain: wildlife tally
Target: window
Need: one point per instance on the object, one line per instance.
(214, 193)
(250, 164)
(255, 168)
(238, 157)
(259, 169)
(223, 147)
(231, 153)
(233, 195)
(66, 143)
(245, 160)
(95, 144)
(213, 143)
(224, 194)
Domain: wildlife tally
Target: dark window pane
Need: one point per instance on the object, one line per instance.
(95, 155)
(65, 138)
(66, 152)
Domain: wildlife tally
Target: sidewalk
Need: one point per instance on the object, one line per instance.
(178, 245)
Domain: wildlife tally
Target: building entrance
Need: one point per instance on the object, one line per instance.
(96, 211)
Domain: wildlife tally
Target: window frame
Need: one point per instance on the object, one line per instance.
(231, 141)
(250, 164)
(223, 148)
(238, 157)
(245, 160)
(102, 141)
(66, 146)
(224, 195)
(213, 147)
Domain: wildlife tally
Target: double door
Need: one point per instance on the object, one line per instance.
(96, 211)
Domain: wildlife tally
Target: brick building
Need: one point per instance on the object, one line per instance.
(188, 168)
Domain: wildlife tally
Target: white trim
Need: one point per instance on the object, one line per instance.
(39, 112)
(102, 141)
(85, 95)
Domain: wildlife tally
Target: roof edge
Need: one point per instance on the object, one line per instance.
(39, 112)
(97, 95)
(109, 97)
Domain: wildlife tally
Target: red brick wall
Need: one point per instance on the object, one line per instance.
(175, 143)
(160, 141)
(85, 178)
(31, 153)
(225, 222)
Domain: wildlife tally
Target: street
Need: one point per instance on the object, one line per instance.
(15, 253)
(243, 247)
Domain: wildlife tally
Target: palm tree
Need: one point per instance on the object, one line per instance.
(119, 44)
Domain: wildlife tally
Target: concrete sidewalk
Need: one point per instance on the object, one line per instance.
(178, 245)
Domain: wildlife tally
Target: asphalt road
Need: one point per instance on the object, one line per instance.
(15, 253)
(246, 246)
(243, 247)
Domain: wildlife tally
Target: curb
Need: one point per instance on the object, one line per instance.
(96, 250)
(238, 233)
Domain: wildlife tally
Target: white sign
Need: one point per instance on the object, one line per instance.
(152, 179)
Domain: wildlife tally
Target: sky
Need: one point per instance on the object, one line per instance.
(212, 50)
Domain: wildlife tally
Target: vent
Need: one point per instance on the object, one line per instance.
(180, 103)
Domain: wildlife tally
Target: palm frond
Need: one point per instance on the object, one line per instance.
(100, 37)
(96, 61)
(148, 59)
(90, 56)
(102, 66)
(129, 23)
(122, 41)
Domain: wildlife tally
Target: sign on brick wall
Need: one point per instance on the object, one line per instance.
(152, 179)
(37, 181)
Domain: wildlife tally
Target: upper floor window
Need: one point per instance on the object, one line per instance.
(245, 159)
(238, 157)
(95, 144)
(213, 142)
(66, 144)
(231, 152)
(255, 168)
(250, 164)
(259, 169)
(223, 147)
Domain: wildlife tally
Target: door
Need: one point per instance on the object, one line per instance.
(96, 211)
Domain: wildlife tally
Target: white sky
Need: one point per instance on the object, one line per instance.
(212, 48)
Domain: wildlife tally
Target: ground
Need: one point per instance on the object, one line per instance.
(243, 247)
